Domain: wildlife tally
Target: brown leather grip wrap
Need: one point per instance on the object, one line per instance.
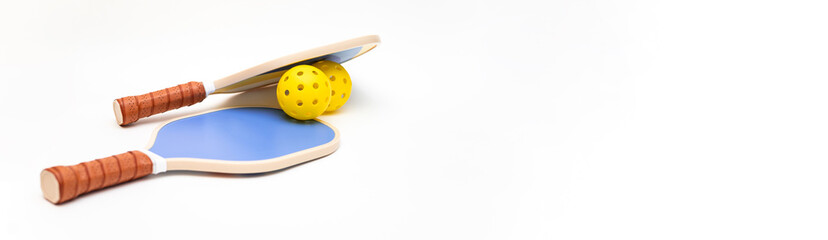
(64, 183)
(133, 108)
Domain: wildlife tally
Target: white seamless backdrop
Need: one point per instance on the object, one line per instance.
(560, 119)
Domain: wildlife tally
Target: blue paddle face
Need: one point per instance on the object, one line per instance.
(239, 134)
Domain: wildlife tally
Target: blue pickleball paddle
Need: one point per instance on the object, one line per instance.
(231, 140)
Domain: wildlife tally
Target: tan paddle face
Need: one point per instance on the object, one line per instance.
(130, 109)
(270, 72)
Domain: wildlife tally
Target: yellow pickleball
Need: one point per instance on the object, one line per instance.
(340, 83)
(304, 92)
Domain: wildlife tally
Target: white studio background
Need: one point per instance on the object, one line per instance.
(473, 120)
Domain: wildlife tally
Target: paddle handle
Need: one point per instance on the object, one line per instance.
(64, 183)
(130, 109)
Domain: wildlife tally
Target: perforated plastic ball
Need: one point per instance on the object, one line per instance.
(340, 83)
(304, 92)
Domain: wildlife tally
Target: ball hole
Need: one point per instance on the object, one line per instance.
(333, 92)
(300, 87)
(287, 92)
(299, 102)
(314, 73)
(345, 80)
(343, 95)
(315, 101)
(300, 73)
(333, 78)
(315, 85)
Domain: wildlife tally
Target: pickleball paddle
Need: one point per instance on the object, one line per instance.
(130, 109)
(230, 140)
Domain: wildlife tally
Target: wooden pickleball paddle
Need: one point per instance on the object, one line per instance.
(230, 140)
(130, 109)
